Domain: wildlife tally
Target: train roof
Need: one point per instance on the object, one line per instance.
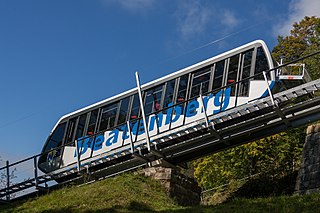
(173, 75)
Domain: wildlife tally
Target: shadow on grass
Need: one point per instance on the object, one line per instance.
(137, 206)
(133, 206)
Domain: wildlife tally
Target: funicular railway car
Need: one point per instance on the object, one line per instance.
(169, 102)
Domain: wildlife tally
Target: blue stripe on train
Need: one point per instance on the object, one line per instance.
(267, 92)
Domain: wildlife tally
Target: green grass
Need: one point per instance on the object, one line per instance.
(124, 193)
(134, 193)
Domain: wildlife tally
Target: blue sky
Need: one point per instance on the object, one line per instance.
(59, 56)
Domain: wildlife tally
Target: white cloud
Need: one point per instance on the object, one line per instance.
(192, 18)
(298, 9)
(133, 5)
(229, 19)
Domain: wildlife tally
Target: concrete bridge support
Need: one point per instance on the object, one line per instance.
(308, 180)
(184, 190)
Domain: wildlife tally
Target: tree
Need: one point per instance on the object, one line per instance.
(304, 39)
(3, 178)
(273, 157)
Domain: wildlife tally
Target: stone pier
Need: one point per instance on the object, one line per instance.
(183, 189)
(308, 179)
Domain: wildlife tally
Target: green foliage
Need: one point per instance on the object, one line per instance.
(303, 40)
(274, 156)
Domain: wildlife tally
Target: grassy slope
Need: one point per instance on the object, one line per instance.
(126, 192)
(131, 193)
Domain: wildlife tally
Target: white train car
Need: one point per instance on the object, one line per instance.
(224, 81)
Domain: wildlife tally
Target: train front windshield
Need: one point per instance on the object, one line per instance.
(51, 153)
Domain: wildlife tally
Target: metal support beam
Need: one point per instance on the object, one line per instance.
(35, 171)
(157, 153)
(203, 108)
(268, 87)
(210, 127)
(130, 137)
(4, 201)
(140, 157)
(276, 107)
(163, 163)
(8, 179)
(78, 155)
(282, 116)
(146, 130)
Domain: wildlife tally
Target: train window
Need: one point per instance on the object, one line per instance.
(261, 64)
(108, 116)
(70, 132)
(153, 99)
(92, 122)
(168, 97)
(135, 108)
(183, 86)
(124, 105)
(200, 82)
(56, 137)
(81, 125)
(218, 74)
(245, 73)
(233, 73)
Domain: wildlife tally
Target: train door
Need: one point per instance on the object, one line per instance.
(230, 80)
(200, 82)
(246, 70)
(153, 102)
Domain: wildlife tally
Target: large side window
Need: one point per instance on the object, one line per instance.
(245, 73)
(92, 122)
(71, 128)
(135, 108)
(233, 73)
(218, 74)
(182, 89)
(108, 116)
(169, 94)
(56, 137)
(261, 64)
(81, 125)
(153, 99)
(123, 112)
(200, 82)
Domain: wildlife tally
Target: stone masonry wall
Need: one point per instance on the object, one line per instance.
(183, 189)
(308, 179)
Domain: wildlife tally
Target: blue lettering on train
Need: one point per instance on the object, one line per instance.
(221, 100)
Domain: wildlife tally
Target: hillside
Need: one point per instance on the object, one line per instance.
(127, 192)
(134, 193)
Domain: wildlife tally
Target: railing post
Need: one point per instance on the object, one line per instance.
(204, 111)
(35, 171)
(268, 87)
(78, 157)
(8, 180)
(130, 136)
(142, 112)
